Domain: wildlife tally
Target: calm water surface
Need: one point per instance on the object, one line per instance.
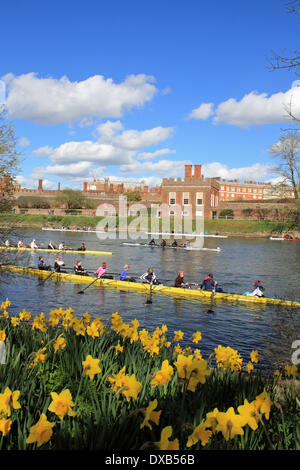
(270, 329)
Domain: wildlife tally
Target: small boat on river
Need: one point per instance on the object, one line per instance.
(67, 251)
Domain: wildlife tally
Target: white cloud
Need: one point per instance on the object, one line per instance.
(32, 183)
(258, 109)
(51, 101)
(204, 111)
(23, 142)
(150, 155)
(255, 172)
(80, 169)
(160, 168)
(43, 151)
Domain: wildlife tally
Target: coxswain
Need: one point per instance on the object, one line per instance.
(33, 245)
(152, 242)
(42, 265)
(51, 246)
(79, 269)
(21, 244)
(149, 277)
(58, 263)
(101, 271)
(210, 284)
(174, 244)
(82, 248)
(179, 281)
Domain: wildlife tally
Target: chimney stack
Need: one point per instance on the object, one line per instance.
(40, 188)
(197, 171)
(187, 171)
(85, 186)
(58, 186)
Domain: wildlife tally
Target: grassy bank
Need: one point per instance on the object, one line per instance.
(75, 383)
(227, 227)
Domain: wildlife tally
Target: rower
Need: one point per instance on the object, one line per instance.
(61, 246)
(7, 243)
(82, 248)
(179, 281)
(174, 244)
(210, 284)
(101, 271)
(58, 263)
(33, 245)
(51, 246)
(79, 269)
(21, 244)
(163, 243)
(42, 265)
(258, 292)
(123, 275)
(152, 242)
(149, 277)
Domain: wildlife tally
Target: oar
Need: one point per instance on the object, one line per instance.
(48, 277)
(211, 300)
(149, 298)
(82, 291)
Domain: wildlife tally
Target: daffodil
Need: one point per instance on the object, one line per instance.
(263, 404)
(62, 404)
(2, 335)
(254, 356)
(151, 415)
(249, 367)
(118, 348)
(165, 443)
(41, 432)
(60, 343)
(211, 419)
(91, 367)
(9, 400)
(291, 370)
(200, 433)
(277, 374)
(15, 321)
(92, 330)
(228, 358)
(248, 410)
(5, 425)
(178, 335)
(164, 375)
(5, 304)
(230, 424)
(197, 337)
(125, 384)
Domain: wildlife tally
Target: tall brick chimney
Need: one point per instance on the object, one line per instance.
(85, 186)
(58, 187)
(40, 188)
(187, 171)
(197, 171)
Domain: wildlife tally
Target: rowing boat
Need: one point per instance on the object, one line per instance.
(285, 239)
(192, 235)
(145, 288)
(72, 230)
(86, 252)
(189, 248)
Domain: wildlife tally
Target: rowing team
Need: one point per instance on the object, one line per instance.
(164, 243)
(34, 246)
(149, 277)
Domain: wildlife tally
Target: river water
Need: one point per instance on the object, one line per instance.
(269, 329)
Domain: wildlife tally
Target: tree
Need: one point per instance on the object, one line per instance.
(9, 162)
(287, 150)
(72, 199)
(133, 196)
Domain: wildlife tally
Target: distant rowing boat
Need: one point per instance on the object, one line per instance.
(72, 230)
(145, 288)
(188, 248)
(86, 252)
(186, 234)
(285, 239)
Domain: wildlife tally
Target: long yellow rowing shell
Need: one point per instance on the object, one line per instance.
(145, 288)
(87, 252)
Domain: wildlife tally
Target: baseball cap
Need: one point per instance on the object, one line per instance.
(103, 264)
(126, 266)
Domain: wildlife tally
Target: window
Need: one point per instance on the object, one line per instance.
(199, 198)
(255, 190)
(244, 190)
(172, 198)
(249, 190)
(222, 188)
(186, 199)
(172, 212)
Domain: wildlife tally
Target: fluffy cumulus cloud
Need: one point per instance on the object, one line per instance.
(254, 109)
(158, 153)
(23, 142)
(52, 101)
(160, 168)
(255, 172)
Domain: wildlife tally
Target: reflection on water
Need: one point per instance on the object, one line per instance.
(270, 329)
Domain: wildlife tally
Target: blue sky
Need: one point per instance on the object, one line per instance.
(135, 89)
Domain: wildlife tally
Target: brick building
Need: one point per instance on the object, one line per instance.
(191, 194)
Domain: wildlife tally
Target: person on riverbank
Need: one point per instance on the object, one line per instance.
(149, 277)
(42, 265)
(210, 284)
(79, 269)
(179, 281)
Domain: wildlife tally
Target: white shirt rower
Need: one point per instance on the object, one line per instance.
(7, 243)
(33, 244)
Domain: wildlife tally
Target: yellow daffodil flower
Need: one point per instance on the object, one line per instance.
(230, 424)
(248, 410)
(41, 432)
(164, 375)
(60, 343)
(151, 415)
(2, 335)
(165, 443)
(197, 337)
(9, 400)
(263, 404)
(178, 335)
(62, 404)
(291, 371)
(5, 425)
(91, 367)
(200, 433)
